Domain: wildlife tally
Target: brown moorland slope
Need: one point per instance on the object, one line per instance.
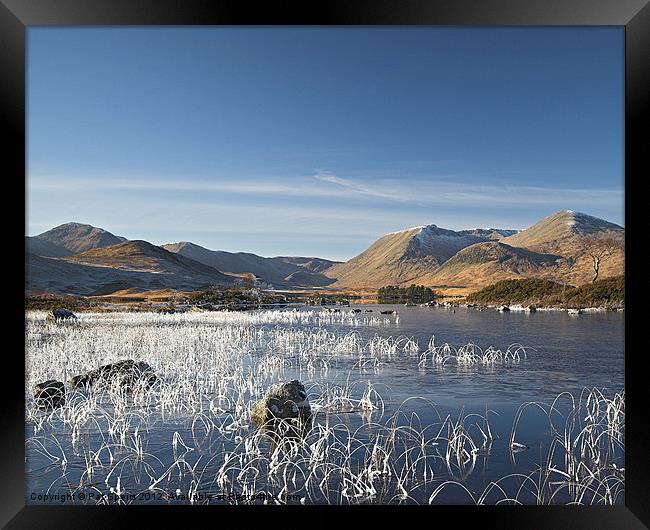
(57, 275)
(143, 256)
(42, 247)
(406, 256)
(564, 232)
(485, 263)
(281, 271)
(131, 264)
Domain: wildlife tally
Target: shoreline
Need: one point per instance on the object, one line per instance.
(531, 308)
(502, 308)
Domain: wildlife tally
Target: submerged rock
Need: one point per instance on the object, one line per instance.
(58, 314)
(284, 401)
(49, 394)
(126, 373)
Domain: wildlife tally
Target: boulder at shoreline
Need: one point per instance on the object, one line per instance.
(284, 401)
(127, 373)
(49, 394)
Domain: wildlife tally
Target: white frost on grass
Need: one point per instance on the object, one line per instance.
(214, 367)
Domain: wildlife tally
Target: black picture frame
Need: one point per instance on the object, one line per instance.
(634, 15)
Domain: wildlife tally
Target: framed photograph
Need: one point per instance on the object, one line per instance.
(373, 256)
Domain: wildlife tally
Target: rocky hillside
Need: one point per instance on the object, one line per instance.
(42, 247)
(318, 265)
(143, 256)
(485, 263)
(564, 232)
(72, 238)
(495, 234)
(407, 256)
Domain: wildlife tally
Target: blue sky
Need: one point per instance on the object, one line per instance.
(316, 141)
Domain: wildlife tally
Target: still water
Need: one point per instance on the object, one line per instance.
(564, 353)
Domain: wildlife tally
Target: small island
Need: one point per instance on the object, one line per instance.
(608, 293)
(415, 294)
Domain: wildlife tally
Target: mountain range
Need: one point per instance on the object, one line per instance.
(81, 259)
(76, 258)
(557, 247)
(280, 271)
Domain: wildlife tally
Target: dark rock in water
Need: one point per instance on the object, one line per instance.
(388, 312)
(58, 314)
(284, 401)
(49, 394)
(127, 373)
(368, 310)
(356, 310)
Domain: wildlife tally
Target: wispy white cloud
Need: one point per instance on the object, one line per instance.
(268, 186)
(433, 191)
(358, 187)
(441, 191)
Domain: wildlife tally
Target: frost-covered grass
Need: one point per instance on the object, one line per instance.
(470, 354)
(289, 317)
(190, 437)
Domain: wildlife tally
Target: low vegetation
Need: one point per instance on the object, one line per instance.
(531, 290)
(227, 296)
(48, 301)
(414, 294)
(320, 299)
(608, 292)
